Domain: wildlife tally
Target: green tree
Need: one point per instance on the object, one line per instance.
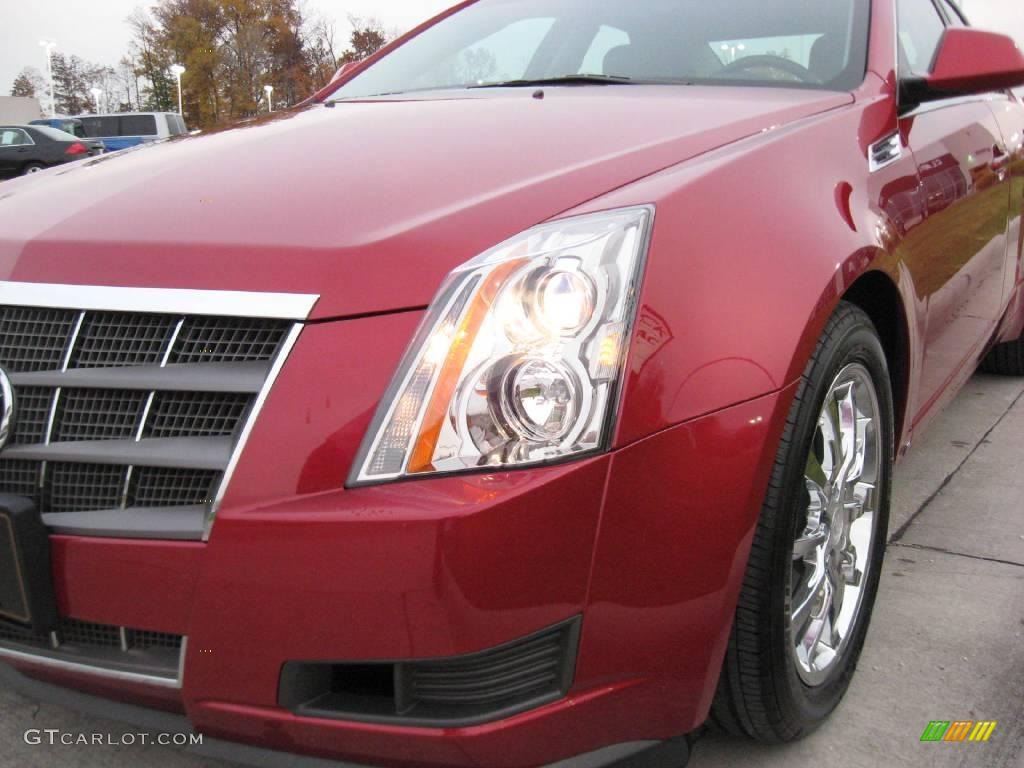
(153, 62)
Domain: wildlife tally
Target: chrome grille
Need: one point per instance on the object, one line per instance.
(34, 339)
(81, 487)
(188, 414)
(123, 415)
(226, 340)
(160, 487)
(97, 414)
(109, 339)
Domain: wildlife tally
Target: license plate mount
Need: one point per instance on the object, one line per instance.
(26, 583)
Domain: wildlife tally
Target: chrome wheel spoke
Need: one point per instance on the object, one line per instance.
(807, 545)
(803, 607)
(819, 620)
(832, 550)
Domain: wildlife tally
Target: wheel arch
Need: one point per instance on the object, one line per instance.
(877, 295)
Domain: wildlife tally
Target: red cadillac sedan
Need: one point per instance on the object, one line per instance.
(533, 400)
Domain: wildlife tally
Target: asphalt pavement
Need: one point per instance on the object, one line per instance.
(946, 641)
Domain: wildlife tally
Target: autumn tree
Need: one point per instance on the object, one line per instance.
(29, 83)
(368, 36)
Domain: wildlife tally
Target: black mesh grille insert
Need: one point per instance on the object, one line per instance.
(99, 414)
(117, 339)
(196, 414)
(20, 478)
(144, 638)
(84, 487)
(159, 487)
(453, 692)
(227, 340)
(88, 633)
(145, 651)
(34, 339)
(33, 414)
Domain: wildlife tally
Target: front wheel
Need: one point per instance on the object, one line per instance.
(33, 168)
(816, 558)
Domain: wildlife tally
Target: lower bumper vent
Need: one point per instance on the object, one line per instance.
(451, 692)
(104, 646)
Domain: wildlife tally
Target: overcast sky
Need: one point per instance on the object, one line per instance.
(97, 32)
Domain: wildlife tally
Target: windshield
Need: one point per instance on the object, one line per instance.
(781, 43)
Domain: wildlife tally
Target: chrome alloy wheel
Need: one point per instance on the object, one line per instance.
(832, 553)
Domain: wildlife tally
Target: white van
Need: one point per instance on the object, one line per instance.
(128, 129)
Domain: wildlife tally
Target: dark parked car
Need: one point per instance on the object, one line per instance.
(29, 148)
(529, 397)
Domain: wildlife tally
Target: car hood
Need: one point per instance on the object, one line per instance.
(367, 204)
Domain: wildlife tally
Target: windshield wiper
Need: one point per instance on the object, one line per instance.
(560, 80)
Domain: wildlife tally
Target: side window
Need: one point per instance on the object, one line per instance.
(98, 127)
(12, 137)
(138, 125)
(921, 29)
(605, 40)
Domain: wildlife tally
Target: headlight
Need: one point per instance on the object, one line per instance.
(519, 358)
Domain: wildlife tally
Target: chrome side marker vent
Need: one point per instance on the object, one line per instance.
(884, 152)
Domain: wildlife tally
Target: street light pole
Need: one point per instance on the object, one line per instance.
(178, 71)
(731, 49)
(49, 45)
(96, 93)
(270, 97)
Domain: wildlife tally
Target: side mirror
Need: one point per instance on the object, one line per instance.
(344, 68)
(968, 61)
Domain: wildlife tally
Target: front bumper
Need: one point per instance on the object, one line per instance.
(647, 544)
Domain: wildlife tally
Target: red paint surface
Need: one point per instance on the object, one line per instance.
(752, 250)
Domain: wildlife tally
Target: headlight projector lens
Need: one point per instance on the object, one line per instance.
(543, 399)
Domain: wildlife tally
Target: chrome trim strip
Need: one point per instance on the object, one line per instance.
(170, 346)
(89, 669)
(892, 149)
(72, 341)
(254, 413)
(280, 306)
(181, 660)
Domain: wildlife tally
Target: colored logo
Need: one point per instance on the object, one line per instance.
(958, 730)
(6, 408)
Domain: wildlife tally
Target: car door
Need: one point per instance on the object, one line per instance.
(15, 147)
(1009, 112)
(957, 253)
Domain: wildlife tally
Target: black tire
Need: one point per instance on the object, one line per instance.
(761, 694)
(1005, 359)
(32, 168)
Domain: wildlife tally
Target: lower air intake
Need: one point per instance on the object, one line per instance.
(451, 692)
